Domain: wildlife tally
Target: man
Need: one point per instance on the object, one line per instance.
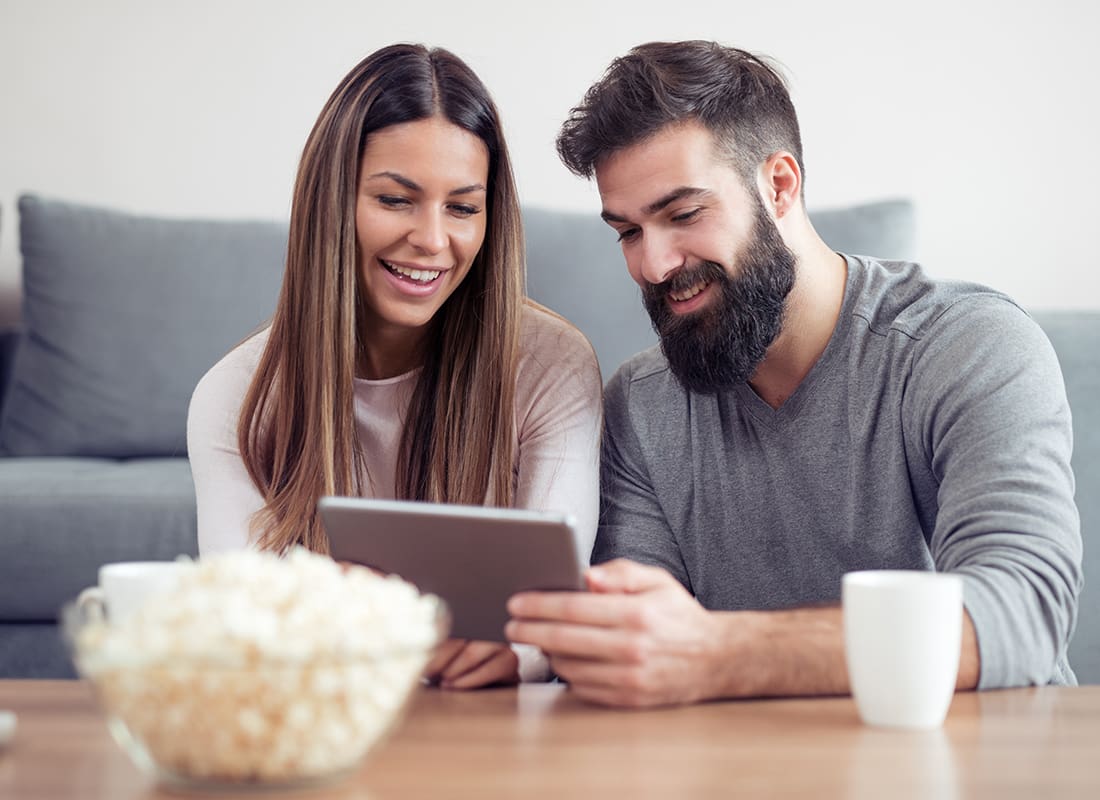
(808, 413)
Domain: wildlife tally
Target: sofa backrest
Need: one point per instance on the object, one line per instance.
(122, 315)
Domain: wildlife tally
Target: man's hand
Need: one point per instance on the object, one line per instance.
(462, 664)
(636, 639)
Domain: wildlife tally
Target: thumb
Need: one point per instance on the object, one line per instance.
(626, 577)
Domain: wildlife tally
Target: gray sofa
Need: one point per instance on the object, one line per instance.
(123, 314)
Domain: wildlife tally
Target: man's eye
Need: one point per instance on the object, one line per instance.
(392, 201)
(687, 216)
(627, 235)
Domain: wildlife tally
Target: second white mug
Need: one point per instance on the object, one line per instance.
(902, 639)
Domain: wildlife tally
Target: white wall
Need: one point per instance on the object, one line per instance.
(984, 112)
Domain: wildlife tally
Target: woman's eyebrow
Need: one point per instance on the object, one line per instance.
(396, 177)
(413, 186)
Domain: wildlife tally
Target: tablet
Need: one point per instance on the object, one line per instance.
(473, 557)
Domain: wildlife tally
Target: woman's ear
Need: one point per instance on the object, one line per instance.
(781, 183)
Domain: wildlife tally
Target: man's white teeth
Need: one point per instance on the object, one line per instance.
(421, 275)
(680, 297)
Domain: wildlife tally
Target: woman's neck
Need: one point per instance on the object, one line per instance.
(390, 352)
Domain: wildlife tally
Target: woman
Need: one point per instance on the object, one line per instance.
(403, 360)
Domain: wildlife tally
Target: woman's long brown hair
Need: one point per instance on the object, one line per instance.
(297, 432)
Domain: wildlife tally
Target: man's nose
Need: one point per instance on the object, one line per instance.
(659, 258)
(429, 232)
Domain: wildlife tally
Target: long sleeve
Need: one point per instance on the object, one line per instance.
(225, 495)
(992, 419)
(559, 411)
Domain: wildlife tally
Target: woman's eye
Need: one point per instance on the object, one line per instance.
(464, 210)
(392, 201)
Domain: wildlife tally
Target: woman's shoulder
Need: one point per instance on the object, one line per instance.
(228, 380)
(554, 354)
(545, 333)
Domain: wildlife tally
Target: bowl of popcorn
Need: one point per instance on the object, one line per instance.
(255, 670)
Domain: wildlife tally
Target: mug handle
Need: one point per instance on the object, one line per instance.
(93, 604)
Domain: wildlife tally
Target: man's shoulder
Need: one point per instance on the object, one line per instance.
(899, 297)
(648, 364)
(643, 384)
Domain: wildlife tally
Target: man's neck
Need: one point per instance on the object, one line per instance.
(813, 308)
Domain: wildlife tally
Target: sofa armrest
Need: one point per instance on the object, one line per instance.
(9, 340)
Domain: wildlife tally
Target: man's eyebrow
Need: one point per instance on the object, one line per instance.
(676, 194)
(673, 196)
(413, 186)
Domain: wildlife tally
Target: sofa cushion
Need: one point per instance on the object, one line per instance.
(63, 517)
(122, 315)
(1076, 339)
(575, 267)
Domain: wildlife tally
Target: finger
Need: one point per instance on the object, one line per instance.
(502, 667)
(611, 697)
(579, 641)
(624, 575)
(608, 684)
(443, 656)
(578, 608)
(586, 673)
(473, 655)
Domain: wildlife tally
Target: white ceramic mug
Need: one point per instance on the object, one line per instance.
(124, 586)
(902, 638)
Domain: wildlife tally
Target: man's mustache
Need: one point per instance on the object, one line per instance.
(686, 277)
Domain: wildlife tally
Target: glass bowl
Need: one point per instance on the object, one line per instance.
(207, 720)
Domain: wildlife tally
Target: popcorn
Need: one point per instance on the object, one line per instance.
(260, 668)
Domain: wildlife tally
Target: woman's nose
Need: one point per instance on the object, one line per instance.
(429, 233)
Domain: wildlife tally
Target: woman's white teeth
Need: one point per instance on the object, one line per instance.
(680, 297)
(422, 275)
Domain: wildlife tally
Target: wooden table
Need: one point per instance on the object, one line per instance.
(541, 742)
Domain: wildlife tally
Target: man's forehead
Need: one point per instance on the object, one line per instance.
(682, 146)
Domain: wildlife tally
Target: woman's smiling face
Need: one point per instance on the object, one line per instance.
(420, 220)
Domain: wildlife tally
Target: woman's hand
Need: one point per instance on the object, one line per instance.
(462, 664)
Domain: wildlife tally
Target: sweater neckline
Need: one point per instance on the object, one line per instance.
(822, 368)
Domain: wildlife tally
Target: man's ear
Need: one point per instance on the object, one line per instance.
(780, 183)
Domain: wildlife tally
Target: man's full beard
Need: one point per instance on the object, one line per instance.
(722, 344)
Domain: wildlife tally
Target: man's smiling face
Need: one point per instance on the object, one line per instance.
(713, 269)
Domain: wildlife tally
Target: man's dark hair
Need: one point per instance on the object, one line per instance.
(739, 97)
